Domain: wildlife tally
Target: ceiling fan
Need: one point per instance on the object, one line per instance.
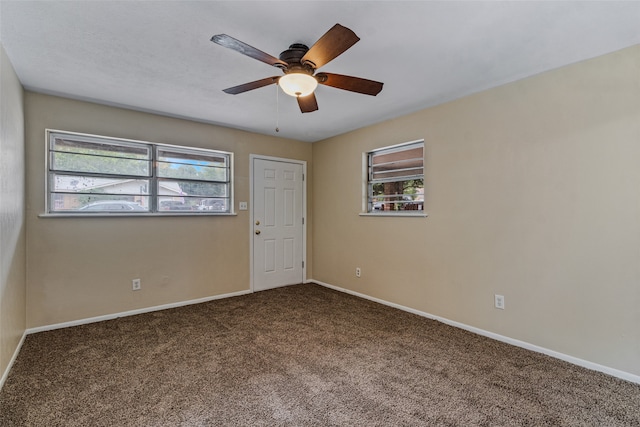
(299, 64)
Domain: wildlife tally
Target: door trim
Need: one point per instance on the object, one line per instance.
(253, 157)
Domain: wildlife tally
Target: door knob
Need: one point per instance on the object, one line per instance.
(258, 222)
(257, 231)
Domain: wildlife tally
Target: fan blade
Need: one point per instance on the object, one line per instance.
(308, 103)
(245, 49)
(333, 43)
(353, 84)
(251, 85)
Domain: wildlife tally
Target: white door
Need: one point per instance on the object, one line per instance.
(277, 221)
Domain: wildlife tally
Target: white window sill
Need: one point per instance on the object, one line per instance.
(128, 215)
(395, 214)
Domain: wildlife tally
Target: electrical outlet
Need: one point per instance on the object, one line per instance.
(136, 285)
(499, 301)
(358, 272)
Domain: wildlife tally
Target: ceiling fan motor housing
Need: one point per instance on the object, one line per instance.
(293, 57)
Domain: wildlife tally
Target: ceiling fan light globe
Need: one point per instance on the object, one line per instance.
(298, 84)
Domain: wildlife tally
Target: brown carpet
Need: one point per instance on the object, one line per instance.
(298, 356)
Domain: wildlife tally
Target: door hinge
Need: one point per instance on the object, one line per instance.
(302, 264)
(303, 177)
(302, 220)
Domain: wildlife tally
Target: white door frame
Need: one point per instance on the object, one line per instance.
(252, 157)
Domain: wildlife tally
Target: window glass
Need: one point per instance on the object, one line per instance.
(198, 166)
(92, 174)
(396, 178)
(74, 155)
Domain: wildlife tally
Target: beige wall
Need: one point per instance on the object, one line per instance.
(532, 191)
(83, 267)
(12, 208)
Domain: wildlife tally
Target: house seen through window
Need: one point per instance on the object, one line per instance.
(395, 180)
(93, 174)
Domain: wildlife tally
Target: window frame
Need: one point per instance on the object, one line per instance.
(153, 178)
(368, 181)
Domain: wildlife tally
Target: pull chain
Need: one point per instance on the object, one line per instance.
(277, 108)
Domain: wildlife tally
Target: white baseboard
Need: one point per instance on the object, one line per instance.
(132, 312)
(574, 360)
(5, 374)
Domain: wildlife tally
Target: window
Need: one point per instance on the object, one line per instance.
(395, 179)
(90, 174)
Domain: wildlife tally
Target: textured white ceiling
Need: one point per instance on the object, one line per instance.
(157, 55)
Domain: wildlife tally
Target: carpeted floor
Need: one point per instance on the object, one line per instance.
(298, 356)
